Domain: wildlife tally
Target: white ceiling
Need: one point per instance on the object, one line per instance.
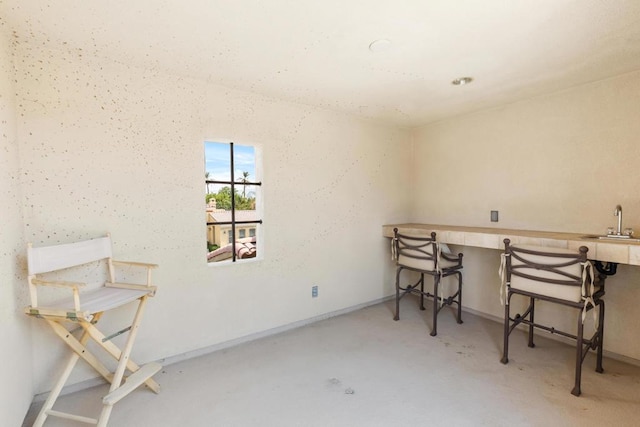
(316, 51)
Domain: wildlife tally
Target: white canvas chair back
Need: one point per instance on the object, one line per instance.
(47, 259)
(51, 258)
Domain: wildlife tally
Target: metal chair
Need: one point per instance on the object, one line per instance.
(560, 276)
(424, 255)
(74, 318)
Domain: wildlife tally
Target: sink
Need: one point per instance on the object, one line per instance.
(620, 239)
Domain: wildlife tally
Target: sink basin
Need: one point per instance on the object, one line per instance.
(620, 239)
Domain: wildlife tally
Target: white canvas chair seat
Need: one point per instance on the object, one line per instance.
(100, 300)
(84, 307)
(559, 276)
(426, 256)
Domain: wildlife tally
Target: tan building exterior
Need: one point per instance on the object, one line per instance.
(221, 234)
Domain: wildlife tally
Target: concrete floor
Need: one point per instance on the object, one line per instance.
(364, 369)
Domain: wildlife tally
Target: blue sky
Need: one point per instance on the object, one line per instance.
(217, 161)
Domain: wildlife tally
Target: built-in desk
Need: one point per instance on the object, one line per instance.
(492, 238)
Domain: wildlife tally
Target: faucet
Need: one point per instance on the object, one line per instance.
(618, 213)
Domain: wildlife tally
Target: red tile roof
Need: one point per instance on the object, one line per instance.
(225, 216)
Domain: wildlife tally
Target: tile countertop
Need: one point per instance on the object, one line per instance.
(492, 238)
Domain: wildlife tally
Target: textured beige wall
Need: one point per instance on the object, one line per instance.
(15, 352)
(559, 163)
(108, 147)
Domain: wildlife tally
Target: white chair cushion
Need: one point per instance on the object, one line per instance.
(422, 264)
(564, 292)
(418, 264)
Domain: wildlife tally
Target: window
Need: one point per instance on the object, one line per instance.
(232, 197)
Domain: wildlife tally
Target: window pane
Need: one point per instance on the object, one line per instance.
(217, 163)
(244, 162)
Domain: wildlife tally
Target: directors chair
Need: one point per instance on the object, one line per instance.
(559, 276)
(75, 317)
(424, 255)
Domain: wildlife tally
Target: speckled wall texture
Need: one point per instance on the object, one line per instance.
(15, 351)
(108, 147)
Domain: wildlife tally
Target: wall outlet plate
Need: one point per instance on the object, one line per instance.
(494, 216)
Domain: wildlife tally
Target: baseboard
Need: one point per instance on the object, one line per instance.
(269, 332)
(83, 385)
(72, 388)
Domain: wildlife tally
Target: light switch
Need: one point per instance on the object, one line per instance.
(494, 216)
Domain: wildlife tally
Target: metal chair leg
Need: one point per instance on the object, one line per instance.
(505, 348)
(397, 314)
(436, 283)
(532, 303)
(422, 291)
(459, 298)
(600, 338)
(579, 342)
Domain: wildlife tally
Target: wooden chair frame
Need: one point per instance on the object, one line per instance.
(426, 249)
(83, 310)
(529, 270)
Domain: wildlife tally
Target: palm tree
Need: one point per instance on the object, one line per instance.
(244, 182)
(206, 178)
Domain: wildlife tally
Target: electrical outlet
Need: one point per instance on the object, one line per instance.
(494, 216)
(314, 291)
